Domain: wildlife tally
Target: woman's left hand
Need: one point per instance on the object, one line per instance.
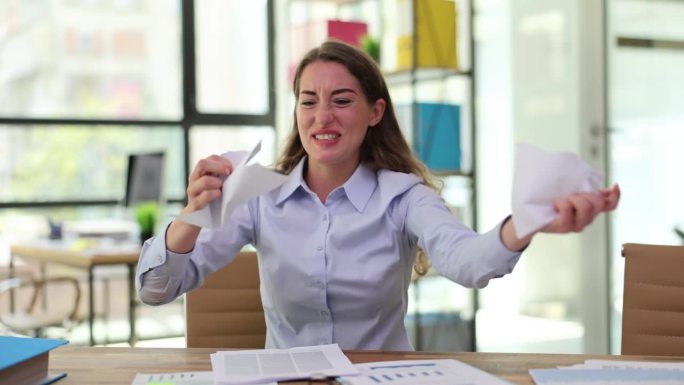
(577, 211)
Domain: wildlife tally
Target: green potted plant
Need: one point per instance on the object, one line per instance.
(146, 214)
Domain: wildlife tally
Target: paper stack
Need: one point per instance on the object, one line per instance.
(324, 362)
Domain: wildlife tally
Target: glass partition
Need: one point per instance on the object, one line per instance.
(645, 55)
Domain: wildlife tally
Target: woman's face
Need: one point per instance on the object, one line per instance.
(333, 115)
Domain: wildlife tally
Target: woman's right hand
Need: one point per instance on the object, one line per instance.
(204, 186)
(206, 181)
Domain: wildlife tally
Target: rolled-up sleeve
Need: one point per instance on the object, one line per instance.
(163, 275)
(160, 272)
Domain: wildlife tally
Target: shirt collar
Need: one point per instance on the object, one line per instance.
(294, 181)
(358, 188)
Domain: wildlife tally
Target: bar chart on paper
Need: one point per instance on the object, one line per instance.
(421, 372)
(180, 378)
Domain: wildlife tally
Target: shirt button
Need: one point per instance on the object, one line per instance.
(325, 217)
(159, 259)
(319, 247)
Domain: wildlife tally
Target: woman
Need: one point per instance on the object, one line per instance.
(337, 241)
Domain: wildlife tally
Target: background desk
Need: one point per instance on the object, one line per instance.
(87, 258)
(97, 365)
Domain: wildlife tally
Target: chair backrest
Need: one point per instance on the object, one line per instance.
(226, 311)
(25, 292)
(653, 300)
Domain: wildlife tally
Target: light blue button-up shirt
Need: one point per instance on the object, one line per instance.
(336, 272)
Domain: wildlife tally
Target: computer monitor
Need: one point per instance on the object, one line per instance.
(145, 179)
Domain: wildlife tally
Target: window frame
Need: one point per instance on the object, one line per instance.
(191, 116)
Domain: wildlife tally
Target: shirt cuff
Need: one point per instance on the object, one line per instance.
(502, 260)
(155, 256)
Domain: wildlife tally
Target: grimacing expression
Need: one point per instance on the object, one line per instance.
(333, 114)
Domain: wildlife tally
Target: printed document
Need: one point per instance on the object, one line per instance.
(180, 378)
(421, 372)
(615, 364)
(268, 365)
(612, 372)
(607, 377)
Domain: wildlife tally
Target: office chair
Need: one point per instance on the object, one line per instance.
(653, 300)
(226, 311)
(32, 319)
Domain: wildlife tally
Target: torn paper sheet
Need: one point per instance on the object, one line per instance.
(542, 176)
(247, 181)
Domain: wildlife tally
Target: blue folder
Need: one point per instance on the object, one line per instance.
(24, 361)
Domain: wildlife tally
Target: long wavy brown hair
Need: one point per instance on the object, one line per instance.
(384, 146)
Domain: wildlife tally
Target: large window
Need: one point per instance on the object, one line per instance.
(91, 59)
(228, 47)
(84, 83)
(52, 163)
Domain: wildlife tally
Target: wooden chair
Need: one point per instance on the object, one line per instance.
(653, 300)
(226, 311)
(31, 319)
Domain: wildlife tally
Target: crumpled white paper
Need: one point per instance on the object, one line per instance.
(540, 177)
(244, 183)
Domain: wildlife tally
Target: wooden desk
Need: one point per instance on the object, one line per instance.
(67, 254)
(102, 365)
